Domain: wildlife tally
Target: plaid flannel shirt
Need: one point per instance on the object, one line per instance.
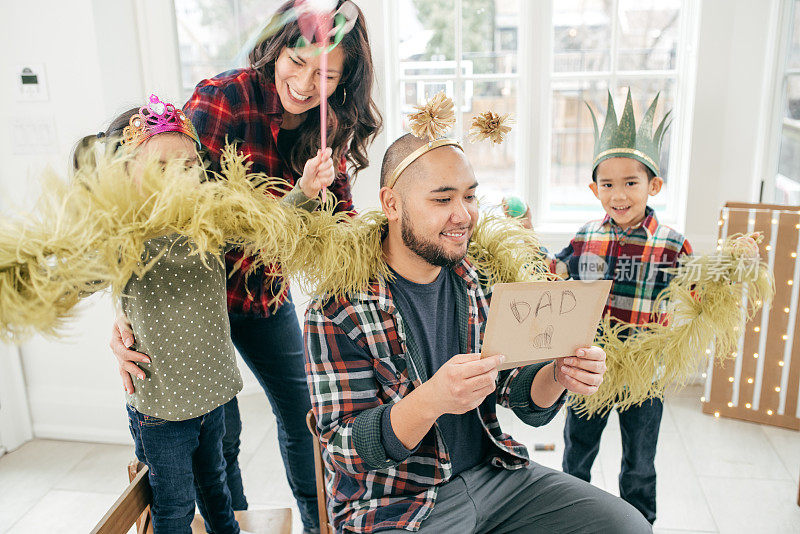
(243, 106)
(634, 259)
(360, 360)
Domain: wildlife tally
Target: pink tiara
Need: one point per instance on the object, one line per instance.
(157, 117)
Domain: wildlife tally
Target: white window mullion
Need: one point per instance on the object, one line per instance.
(464, 77)
(774, 100)
(458, 89)
(681, 136)
(535, 110)
(608, 75)
(614, 43)
(393, 81)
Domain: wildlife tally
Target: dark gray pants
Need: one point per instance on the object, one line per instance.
(531, 500)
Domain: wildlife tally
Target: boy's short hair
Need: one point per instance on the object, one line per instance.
(647, 170)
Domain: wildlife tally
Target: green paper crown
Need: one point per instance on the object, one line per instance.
(622, 140)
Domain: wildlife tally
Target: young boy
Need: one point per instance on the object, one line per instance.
(632, 248)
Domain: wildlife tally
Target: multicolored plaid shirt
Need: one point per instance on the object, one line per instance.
(634, 259)
(360, 360)
(243, 107)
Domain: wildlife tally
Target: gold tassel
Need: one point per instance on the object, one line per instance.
(434, 119)
(489, 125)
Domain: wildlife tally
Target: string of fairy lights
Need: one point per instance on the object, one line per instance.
(762, 330)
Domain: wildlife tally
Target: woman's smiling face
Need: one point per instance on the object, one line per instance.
(297, 77)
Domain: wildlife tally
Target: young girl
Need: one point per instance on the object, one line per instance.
(178, 313)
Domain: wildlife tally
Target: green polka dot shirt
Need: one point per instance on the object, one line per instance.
(178, 312)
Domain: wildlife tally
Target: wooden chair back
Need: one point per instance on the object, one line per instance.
(319, 473)
(133, 506)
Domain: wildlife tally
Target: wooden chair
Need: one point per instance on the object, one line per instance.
(133, 507)
(325, 526)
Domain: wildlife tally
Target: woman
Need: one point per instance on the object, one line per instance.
(271, 111)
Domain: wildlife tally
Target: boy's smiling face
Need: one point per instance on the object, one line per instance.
(622, 187)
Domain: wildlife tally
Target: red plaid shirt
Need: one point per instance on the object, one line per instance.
(636, 259)
(244, 106)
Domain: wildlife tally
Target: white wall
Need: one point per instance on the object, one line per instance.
(735, 36)
(72, 386)
(102, 57)
(15, 421)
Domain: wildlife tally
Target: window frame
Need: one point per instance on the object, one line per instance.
(535, 78)
(394, 79)
(684, 75)
(782, 17)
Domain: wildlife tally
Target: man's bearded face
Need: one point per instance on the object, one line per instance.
(433, 250)
(440, 208)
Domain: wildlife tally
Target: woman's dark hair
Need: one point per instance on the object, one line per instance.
(353, 116)
(112, 138)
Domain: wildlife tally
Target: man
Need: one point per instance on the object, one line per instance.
(404, 404)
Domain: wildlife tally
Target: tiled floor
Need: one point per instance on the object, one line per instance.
(715, 475)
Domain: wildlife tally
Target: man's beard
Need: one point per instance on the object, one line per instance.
(427, 250)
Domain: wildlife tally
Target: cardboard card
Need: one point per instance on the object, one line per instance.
(533, 321)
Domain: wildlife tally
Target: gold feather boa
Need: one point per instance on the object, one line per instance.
(343, 258)
(89, 234)
(707, 304)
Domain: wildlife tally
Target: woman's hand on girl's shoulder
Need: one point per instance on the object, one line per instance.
(318, 174)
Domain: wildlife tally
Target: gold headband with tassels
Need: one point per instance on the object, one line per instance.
(411, 158)
(432, 121)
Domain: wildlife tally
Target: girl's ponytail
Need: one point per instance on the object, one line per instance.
(83, 153)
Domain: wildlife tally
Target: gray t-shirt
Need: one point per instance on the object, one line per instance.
(429, 312)
(179, 315)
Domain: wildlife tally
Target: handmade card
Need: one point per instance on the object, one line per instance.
(534, 321)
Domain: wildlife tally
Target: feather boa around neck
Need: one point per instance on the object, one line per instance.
(88, 234)
(343, 258)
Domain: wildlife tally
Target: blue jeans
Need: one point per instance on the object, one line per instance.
(639, 426)
(185, 462)
(272, 348)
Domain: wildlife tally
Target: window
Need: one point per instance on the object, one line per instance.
(486, 54)
(217, 35)
(599, 45)
(787, 178)
(468, 49)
